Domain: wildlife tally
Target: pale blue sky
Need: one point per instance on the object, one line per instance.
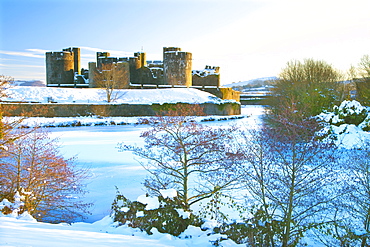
(246, 38)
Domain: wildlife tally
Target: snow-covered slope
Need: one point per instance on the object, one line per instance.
(342, 126)
(33, 83)
(114, 169)
(98, 96)
(25, 232)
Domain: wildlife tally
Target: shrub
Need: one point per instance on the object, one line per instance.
(365, 125)
(50, 185)
(168, 216)
(351, 112)
(260, 230)
(308, 86)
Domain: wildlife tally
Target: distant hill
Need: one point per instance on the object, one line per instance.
(33, 83)
(259, 84)
(254, 82)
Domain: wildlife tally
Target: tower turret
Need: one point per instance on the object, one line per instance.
(76, 58)
(59, 67)
(92, 70)
(62, 66)
(177, 66)
(141, 58)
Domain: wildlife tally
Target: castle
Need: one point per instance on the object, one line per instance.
(63, 70)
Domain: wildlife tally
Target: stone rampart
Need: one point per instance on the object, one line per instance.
(108, 110)
(224, 93)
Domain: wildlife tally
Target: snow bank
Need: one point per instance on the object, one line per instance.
(348, 124)
(348, 135)
(169, 193)
(123, 96)
(18, 232)
(151, 202)
(101, 121)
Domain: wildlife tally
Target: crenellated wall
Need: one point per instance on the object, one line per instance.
(174, 70)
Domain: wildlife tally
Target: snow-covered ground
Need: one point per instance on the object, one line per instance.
(98, 96)
(341, 124)
(28, 232)
(95, 147)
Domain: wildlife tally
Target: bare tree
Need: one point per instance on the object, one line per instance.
(188, 156)
(360, 195)
(111, 77)
(291, 176)
(311, 84)
(255, 177)
(50, 185)
(7, 134)
(5, 83)
(363, 83)
(352, 225)
(364, 66)
(348, 86)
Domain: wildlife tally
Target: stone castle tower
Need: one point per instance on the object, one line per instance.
(120, 69)
(177, 66)
(63, 70)
(61, 67)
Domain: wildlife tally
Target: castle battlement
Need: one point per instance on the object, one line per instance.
(57, 56)
(175, 68)
(62, 66)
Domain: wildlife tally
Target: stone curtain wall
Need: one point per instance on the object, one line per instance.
(107, 110)
(223, 93)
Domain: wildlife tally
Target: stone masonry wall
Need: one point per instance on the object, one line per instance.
(107, 110)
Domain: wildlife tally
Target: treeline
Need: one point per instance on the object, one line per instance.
(309, 87)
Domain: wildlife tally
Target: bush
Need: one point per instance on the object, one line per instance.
(307, 86)
(168, 216)
(365, 125)
(349, 112)
(352, 112)
(260, 230)
(50, 185)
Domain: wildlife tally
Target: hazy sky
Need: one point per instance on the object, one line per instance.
(247, 38)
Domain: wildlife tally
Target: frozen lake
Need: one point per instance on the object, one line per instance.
(96, 149)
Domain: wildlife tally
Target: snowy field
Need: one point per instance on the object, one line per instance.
(95, 148)
(121, 96)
